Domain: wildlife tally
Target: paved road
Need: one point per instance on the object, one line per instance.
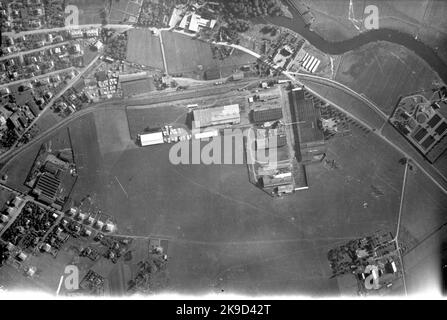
(36, 77)
(48, 106)
(21, 53)
(163, 52)
(83, 26)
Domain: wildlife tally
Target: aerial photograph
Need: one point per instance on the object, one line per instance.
(223, 148)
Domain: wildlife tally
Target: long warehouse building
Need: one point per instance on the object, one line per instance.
(150, 139)
(206, 117)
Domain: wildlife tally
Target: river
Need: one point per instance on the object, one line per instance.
(335, 48)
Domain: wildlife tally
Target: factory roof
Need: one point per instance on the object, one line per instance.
(151, 138)
(265, 115)
(217, 115)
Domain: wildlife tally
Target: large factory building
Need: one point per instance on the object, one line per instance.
(206, 117)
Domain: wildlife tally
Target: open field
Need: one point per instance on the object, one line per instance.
(351, 104)
(423, 213)
(185, 55)
(144, 48)
(144, 118)
(384, 72)
(418, 18)
(89, 10)
(253, 243)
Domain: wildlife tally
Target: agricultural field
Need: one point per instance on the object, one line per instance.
(144, 48)
(186, 55)
(89, 10)
(124, 11)
(384, 72)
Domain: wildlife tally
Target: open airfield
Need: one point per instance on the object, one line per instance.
(225, 234)
(384, 72)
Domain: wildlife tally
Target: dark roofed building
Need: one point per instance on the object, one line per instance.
(309, 137)
(47, 187)
(300, 177)
(419, 134)
(13, 121)
(212, 74)
(304, 112)
(434, 120)
(438, 150)
(265, 115)
(441, 128)
(33, 108)
(51, 167)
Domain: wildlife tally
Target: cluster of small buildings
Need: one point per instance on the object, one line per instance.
(21, 103)
(14, 44)
(13, 207)
(30, 227)
(84, 33)
(24, 66)
(52, 177)
(167, 134)
(94, 220)
(309, 63)
(424, 123)
(107, 83)
(373, 260)
(22, 15)
(189, 20)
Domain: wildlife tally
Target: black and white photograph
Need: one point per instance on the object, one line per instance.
(212, 150)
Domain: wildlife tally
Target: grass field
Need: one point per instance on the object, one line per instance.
(383, 72)
(184, 55)
(144, 48)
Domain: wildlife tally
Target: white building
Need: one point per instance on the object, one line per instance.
(149, 139)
